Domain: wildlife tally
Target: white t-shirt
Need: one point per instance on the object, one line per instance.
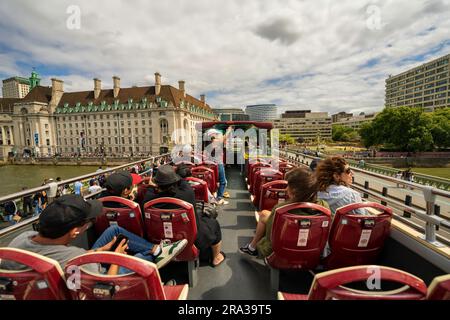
(93, 189)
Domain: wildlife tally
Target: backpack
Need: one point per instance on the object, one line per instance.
(207, 209)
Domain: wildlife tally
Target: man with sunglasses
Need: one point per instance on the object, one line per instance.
(69, 216)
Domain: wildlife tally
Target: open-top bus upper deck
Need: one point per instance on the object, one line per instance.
(410, 247)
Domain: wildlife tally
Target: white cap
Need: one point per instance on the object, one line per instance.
(187, 149)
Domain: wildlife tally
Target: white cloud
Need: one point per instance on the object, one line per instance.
(242, 51)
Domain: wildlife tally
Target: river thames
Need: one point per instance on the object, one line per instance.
(15, 177)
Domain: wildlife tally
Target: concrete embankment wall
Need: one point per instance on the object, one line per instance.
(110, 162)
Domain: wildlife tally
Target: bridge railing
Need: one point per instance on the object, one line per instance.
(51, 188)
(429, 215)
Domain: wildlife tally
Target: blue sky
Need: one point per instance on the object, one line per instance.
(321, 55)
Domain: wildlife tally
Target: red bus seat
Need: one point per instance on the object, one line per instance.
(272, 193)
(43, 280)
(143, 283)
(207, 175)
(127, 216)
(331, 285)
(298, 239)
(250, 164)
(439, 288)
(213, 166)
(200, 188)
(173, 224)
(285, 167)
(257, 167)
(261, 177)
(357, 239)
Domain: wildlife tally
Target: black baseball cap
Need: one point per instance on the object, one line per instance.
(65, 213)
(119, 181)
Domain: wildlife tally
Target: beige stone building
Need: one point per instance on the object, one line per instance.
(426, 86)
(117, 121)
(305, 124)
(355, 122)
(337, 116)
(16, 87)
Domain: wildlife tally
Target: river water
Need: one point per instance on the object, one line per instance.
(14, 177)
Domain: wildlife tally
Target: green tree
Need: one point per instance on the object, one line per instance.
(440, 128)
(342, 133)
(404, 128)
(367, 133)
(286, 138)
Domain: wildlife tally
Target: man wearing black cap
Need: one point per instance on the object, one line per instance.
(119, 184)
(69, 216)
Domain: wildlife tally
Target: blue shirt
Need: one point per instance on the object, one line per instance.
(339, 196)
(77, 187)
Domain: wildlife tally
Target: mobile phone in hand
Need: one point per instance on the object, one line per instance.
(119, 239)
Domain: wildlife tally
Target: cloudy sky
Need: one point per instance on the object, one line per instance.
(322, 55)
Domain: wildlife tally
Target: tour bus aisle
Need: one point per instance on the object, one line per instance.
(240, 276)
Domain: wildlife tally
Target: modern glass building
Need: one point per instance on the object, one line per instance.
(262, 112)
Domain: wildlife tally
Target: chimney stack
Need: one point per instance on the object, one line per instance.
(116, 87)
(57, 86)
(181, 87)
(97, 87)
(202, 98)
(57, 93)
(157, 83)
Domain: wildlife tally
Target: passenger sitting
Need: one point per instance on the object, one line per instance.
(334, 178)
(301, 187)
(209, 235)
(69, 216)
(184, 172)
(119, 184)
